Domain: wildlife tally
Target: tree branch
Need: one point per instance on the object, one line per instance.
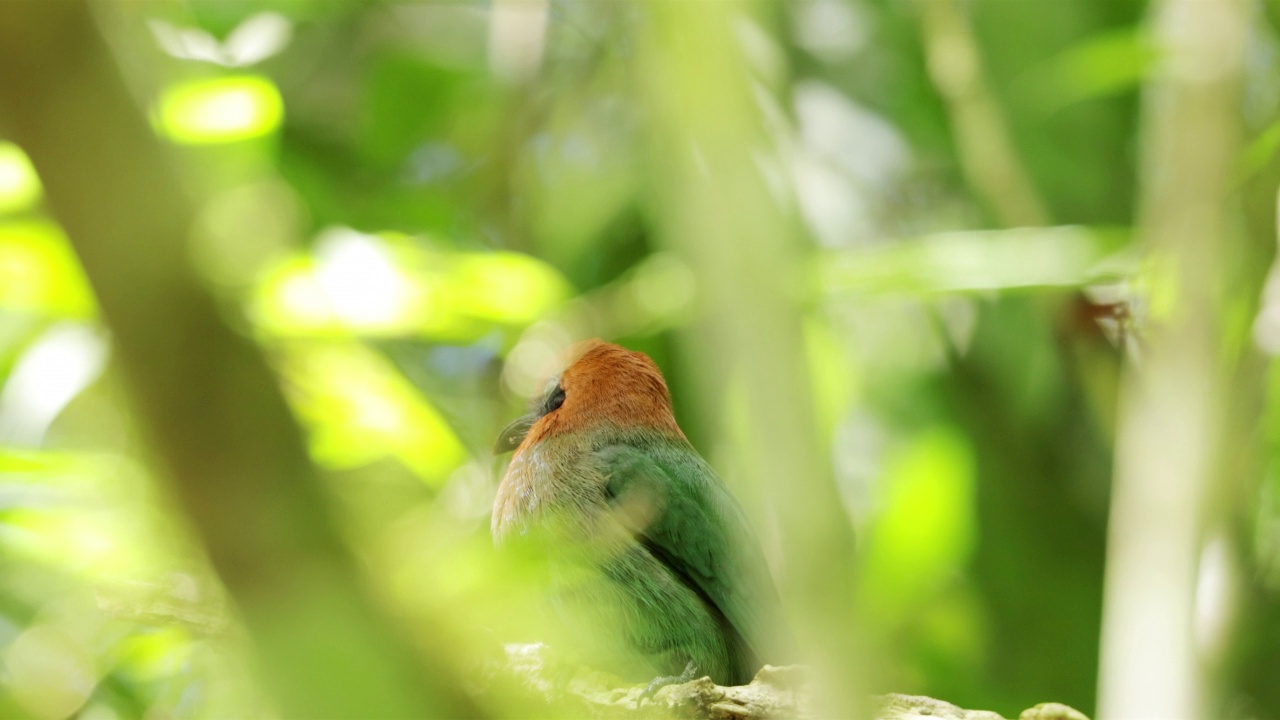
(775, 692)
(203, 393)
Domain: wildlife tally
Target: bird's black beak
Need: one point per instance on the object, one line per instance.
(512, 435)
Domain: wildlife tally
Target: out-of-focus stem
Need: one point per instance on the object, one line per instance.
(203, 394)
(1171, 448)
(710, 166)
(987, 155)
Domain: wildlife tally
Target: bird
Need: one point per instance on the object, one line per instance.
(653, 565)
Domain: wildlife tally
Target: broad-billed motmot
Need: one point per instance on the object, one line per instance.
(653, 563)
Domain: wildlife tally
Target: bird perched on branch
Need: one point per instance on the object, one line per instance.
(653, 563)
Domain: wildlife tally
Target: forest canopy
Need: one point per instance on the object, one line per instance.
(967, 301)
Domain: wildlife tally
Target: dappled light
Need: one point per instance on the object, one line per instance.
(969, 306)
(19, 186)
(393, 285)
(217, 111)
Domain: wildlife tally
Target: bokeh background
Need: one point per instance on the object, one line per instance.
(965, 299)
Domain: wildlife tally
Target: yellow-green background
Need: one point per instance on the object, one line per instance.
(410, 212)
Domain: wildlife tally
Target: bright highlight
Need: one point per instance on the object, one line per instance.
(219, 111)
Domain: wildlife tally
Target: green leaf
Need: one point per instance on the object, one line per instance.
(19, 185)
(360, 409)
(220, 110)
(1067, 256)
(40, 273)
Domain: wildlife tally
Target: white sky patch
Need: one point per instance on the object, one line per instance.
(359, 278)
(848, 157)
(517, 38)
(65, 360)
(858, 141)
(254, 40)
(833, 30)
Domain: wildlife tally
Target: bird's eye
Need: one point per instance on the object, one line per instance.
(554, 400)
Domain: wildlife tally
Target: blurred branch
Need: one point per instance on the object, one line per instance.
(1062, 256)
(210, 405)
(711, 173)
(1172, 453)
(175, 602)
(775, 692)
(987, 155)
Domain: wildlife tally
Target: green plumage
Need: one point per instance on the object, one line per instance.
(654, 564)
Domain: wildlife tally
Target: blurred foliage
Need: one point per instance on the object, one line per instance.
(412, 206)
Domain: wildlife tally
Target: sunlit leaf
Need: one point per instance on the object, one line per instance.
(391, 285)
(39, 272)
(504, 287)
(18, 462)
(83, 512)
(156, 654)
(48, 375)
(927, 529)
(19, 185)
(831, 375)
(50, 672)
(981, 260)
(359, 409)
(220, 110)
(1099, 65)
(1258, 154)
(89, 542)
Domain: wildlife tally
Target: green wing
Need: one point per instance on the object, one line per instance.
(700, 533)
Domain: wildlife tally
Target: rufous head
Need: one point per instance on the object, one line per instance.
(602, 385)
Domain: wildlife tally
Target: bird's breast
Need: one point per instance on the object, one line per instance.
(545, 480)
